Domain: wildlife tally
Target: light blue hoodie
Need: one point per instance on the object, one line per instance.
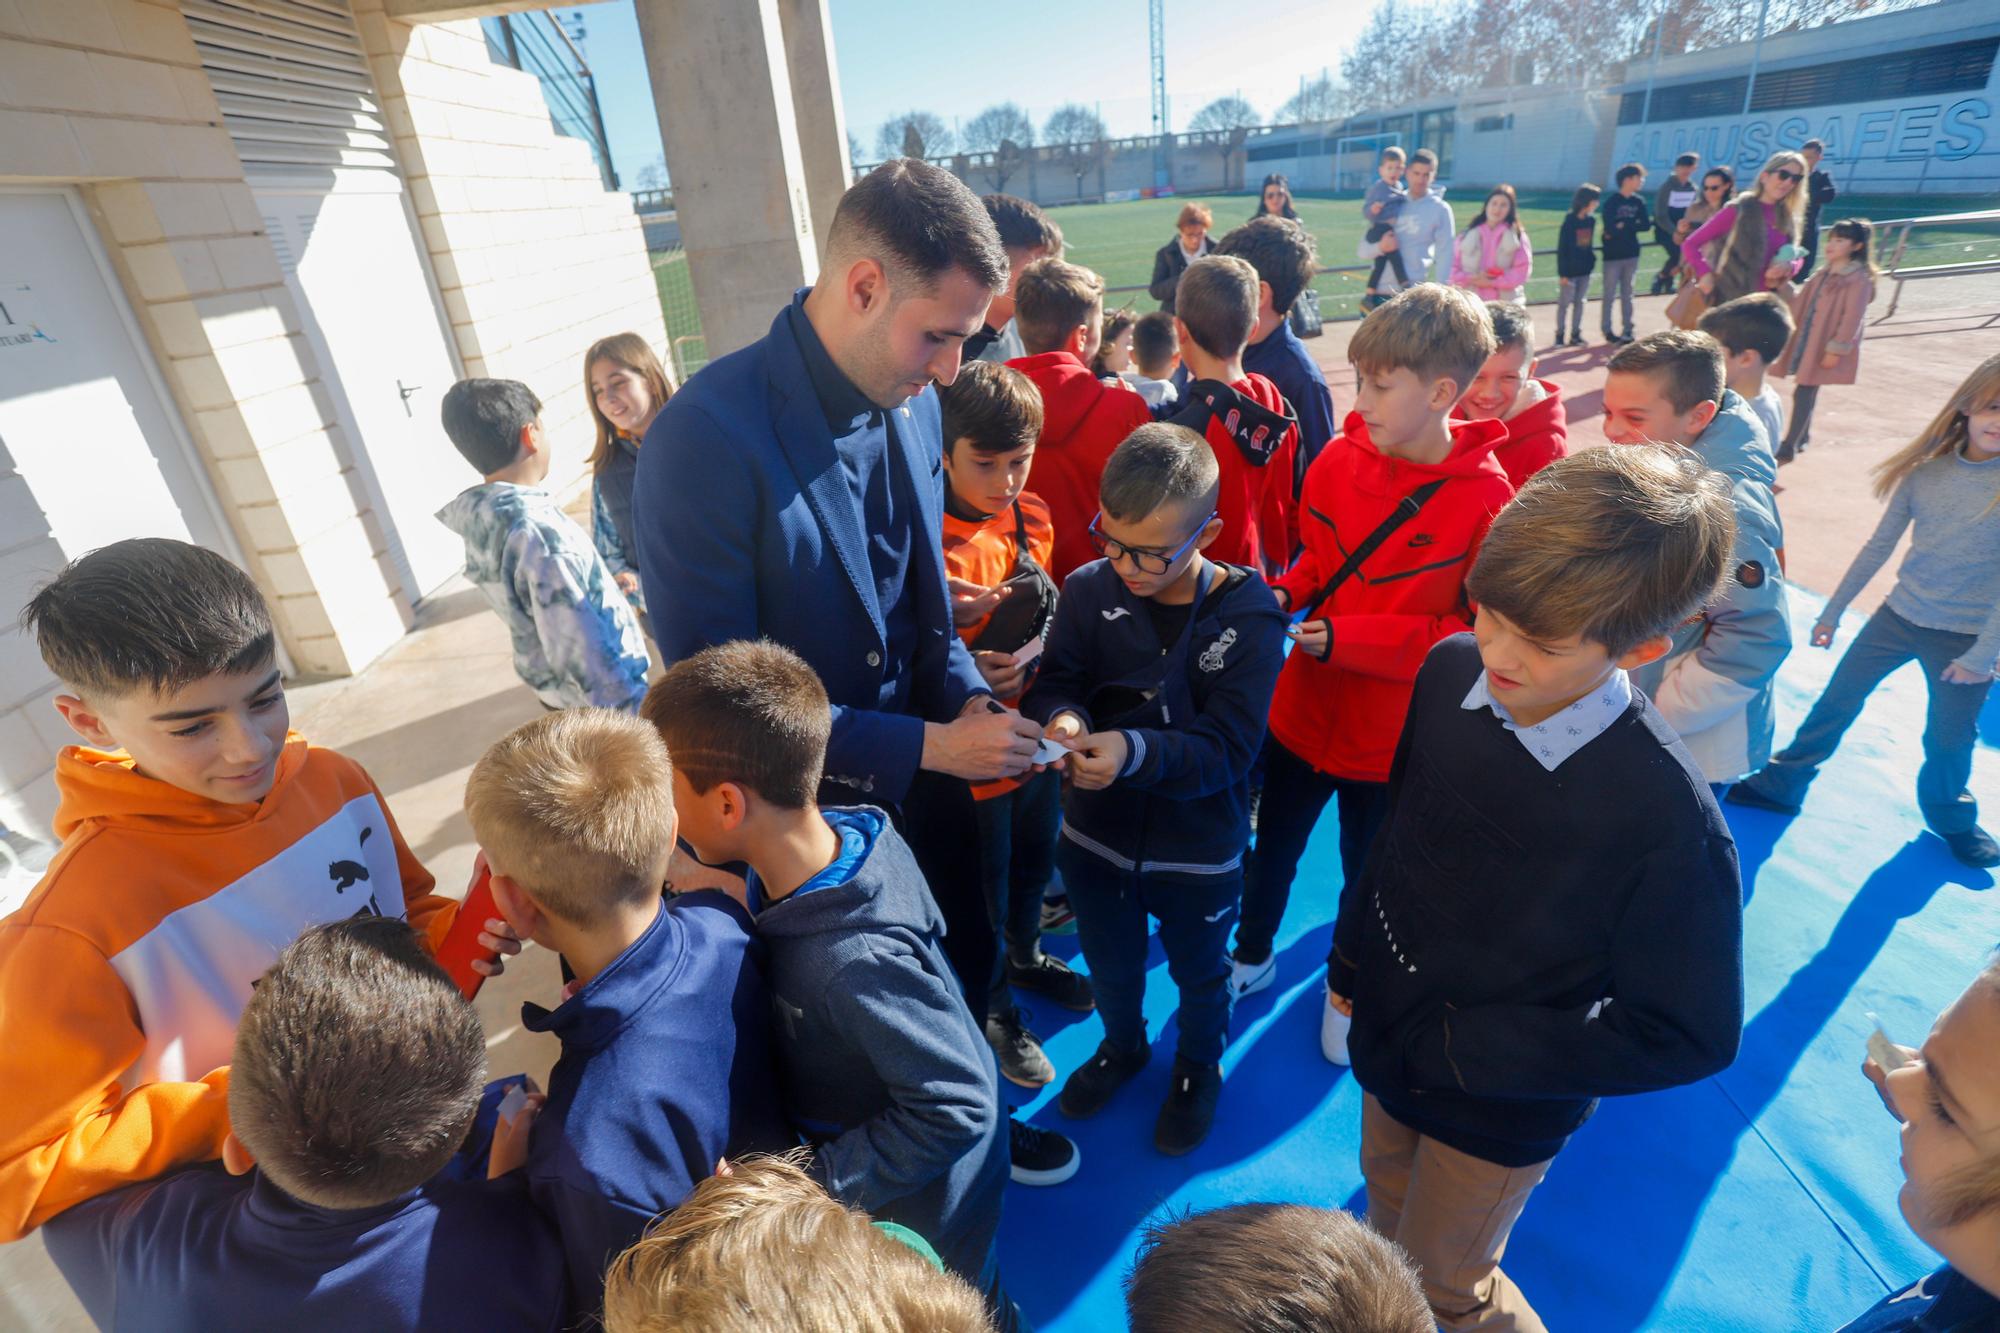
(576, 641)
(1714, 685)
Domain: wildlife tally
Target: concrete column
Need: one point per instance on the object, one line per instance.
(732, 147)
(816, 101)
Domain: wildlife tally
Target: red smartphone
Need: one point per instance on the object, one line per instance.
(461, 943)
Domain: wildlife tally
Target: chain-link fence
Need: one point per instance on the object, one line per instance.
(685, 343)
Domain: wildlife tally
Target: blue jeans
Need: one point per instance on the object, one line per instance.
(1884, 644)
(1195, 915)
(1017, 854)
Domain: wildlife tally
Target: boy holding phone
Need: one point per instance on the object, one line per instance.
(998, 538)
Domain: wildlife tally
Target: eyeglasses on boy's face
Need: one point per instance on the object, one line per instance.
(1782, 174)
(1144, 560)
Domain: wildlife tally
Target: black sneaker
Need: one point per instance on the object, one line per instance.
(1578, 340)
(1020, 1052)
(1189, 1111)
(1743, 793)
(1040, 1156)
(1086, 1091)
(1974, 847)
(1052, 977)
(1057, 918)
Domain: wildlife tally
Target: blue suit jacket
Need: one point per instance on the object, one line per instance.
(747, 529)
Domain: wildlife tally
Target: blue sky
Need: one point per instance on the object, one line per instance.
(956, 59)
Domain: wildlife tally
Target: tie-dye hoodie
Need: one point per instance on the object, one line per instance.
(576, 641)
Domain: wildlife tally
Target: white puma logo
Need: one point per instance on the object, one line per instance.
(1116, 612)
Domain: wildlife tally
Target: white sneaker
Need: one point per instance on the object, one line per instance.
(1249, 978)
(1333, 1029)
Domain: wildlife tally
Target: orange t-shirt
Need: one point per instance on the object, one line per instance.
(984, 553)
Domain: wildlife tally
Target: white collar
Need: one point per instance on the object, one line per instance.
(1557, 737)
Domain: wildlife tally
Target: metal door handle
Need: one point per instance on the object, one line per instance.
(406, 390)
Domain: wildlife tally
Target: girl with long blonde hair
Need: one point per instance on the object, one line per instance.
(626, 386)
(1754, 228)
(1944, 613)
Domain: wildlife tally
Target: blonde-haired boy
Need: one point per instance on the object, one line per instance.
(666, 1064)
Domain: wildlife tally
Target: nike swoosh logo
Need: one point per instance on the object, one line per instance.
(1214, 917)
(1116, 612)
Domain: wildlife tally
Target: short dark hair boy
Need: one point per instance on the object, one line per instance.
(1157, 817)
(169, 675)
(1026, 234)
(1753, 331)
(666, 1063)
(1716, 687)
(1156, 344)
(1059, 310)
(991, 410)
(877, 1032)
(357, 1072)
(1616, 965)
(1241, 414)
(1626, 221)
(1272, 1268)
(1506, 390)
(1286, 259)
(576, 639)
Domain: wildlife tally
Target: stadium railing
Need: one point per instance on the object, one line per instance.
(1896, 264)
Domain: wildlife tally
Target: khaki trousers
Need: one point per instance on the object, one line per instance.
(1453, 1212)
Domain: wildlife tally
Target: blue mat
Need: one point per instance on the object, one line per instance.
(1763, 1199)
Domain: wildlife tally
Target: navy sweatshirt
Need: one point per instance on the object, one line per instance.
(1522, 942)
(666, 1067)
(1626, 224)
(1574, 256)
(885, 1069)
(202, 1251)
(1193, 712)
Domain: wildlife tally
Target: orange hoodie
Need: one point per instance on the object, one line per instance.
(124, 973)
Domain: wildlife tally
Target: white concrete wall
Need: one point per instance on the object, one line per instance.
(535, 258)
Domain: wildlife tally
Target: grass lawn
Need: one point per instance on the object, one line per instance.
(1118, 240)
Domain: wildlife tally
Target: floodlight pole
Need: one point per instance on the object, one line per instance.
(1157, 27)
(1756, 56)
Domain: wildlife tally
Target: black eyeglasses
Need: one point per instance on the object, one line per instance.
(1711, 189)
(1784, 175)
(1146, 562)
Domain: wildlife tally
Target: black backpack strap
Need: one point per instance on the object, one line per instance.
(1405, 510)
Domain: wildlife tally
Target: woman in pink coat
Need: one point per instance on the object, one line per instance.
(1829, 315)
(1492, 257)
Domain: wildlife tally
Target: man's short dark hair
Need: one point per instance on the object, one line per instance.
(358, 1065)
(1628, 171)
(1282, 252)
(1159, 464)
(918, 221)
(1813, 145)
(1757, 323)
(149, 612)
(749, 712)
(994, 408)
(1688, 160)
(1272, 1268)
(1512, 325)
(1424, 157)
(1155, 341)
(484, 420)
(1023, 225)
(1688, 362)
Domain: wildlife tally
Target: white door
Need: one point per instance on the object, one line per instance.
(83, 414)
(350, 258)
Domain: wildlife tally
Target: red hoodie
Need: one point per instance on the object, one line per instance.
(1255, 438)
(1343, 715)
(1083, 420)
(1537, 435)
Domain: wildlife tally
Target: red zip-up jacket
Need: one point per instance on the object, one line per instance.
(1255, 436)
(1083, 420)
(1343, 715)
(1537, 435)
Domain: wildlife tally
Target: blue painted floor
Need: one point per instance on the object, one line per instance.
(1763, 1199)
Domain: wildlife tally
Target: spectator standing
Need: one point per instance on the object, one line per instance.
(1381, 206)
(1286, 261)
(1576, 257)
(1717, 185)
(1424, 228)
(1671, 202)
(1754, 229)
(1191, 242)
(1820, 192)
(1829, 317)
(1026, 234)
(1625, 221)
(1275, 199)
(626, 387)
(1492, 257)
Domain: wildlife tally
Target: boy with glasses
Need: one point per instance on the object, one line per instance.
(1158, 677)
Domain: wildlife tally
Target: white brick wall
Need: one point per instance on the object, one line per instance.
(535, 259)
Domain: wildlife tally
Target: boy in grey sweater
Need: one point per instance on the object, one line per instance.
(1944, 612)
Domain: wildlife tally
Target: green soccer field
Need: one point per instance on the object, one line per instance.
(1118, 241)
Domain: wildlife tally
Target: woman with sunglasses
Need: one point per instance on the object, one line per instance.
(1753, 229)
(1276, 198)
